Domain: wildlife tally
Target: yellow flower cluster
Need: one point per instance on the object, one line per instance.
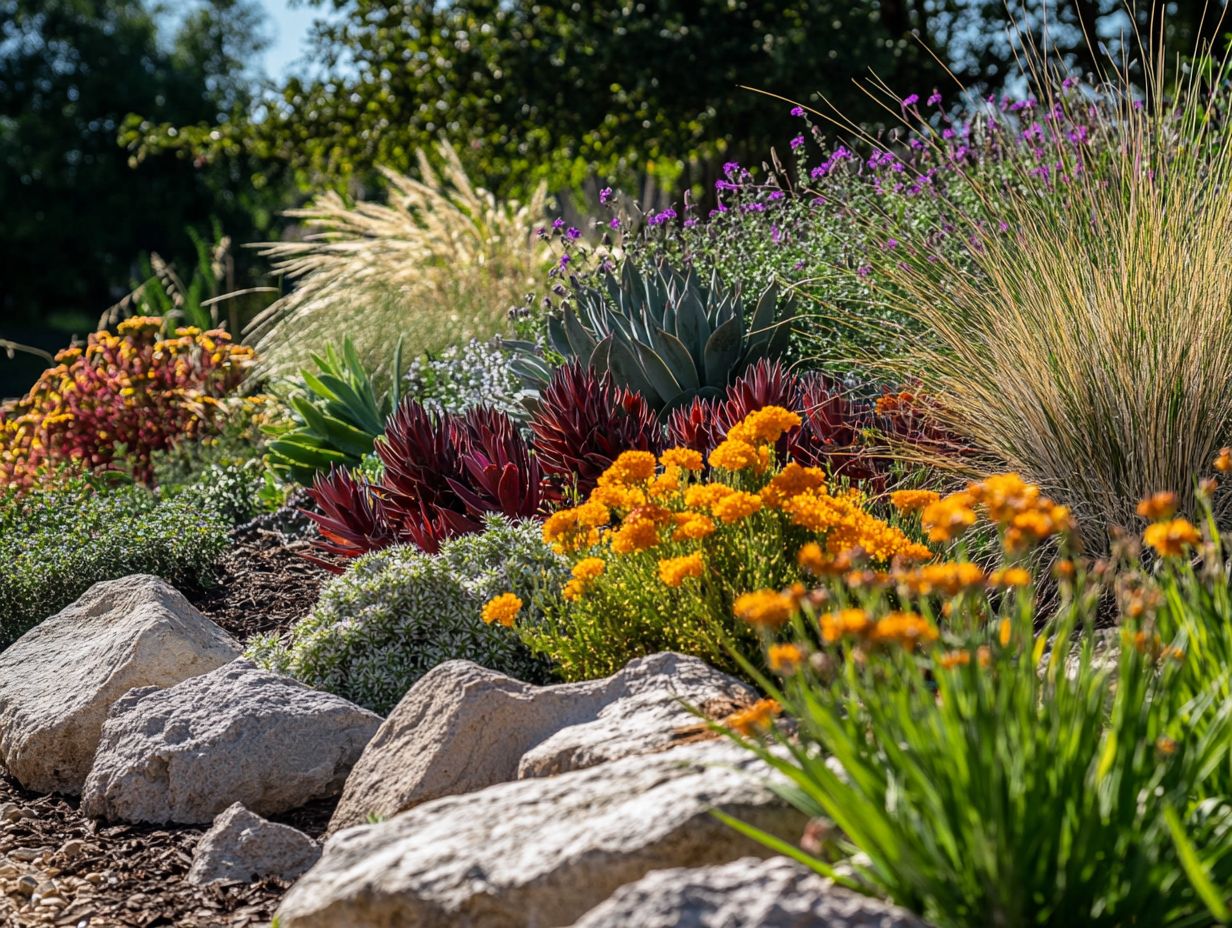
(674, 571)
(1025, 516)
(502, 609)
(583, 575)
(913, 500)
(847, 527)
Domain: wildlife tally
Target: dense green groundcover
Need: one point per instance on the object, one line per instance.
(54, 544)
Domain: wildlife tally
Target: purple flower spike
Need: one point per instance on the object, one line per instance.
(797, 111)
(605, 194)
(797, 142)
(573, 233)
(934, 99)
(911, 100)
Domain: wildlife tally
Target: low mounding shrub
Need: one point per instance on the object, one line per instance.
(660, 552)
(118, 400)
(980, 763)
(55, 543)
(398, 613)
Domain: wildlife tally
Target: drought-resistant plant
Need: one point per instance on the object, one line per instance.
(582, 422)
(664, 334)
(55, 543)
(398, 613)
(442, 475)
(464, 376)
(441, 260)
(340, 414)
(118, 400)
(660, 552)
(1081, 333)
(971, 765)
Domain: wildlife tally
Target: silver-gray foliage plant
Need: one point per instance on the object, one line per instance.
(397, 613)
(464, 376)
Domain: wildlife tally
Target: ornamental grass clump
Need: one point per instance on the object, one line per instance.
(981, 763)
(1083, 337)
(659, 552)
(118, 400)
(441, 260)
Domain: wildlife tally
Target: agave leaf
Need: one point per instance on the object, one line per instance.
(601, 357)
(677, 357)
(341, 435)
(395, 382)
(764, 312)
(317, 386)
(691, 325)
(657, 372)
(556, 335)
(685, 398)
(627, 370)
(723, 352)
(354, 406)
(581, 342)
(309, 455)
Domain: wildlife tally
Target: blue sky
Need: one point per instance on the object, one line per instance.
(288, 28)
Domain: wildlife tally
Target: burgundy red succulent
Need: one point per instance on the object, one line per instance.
(443, 475)
(583, 423)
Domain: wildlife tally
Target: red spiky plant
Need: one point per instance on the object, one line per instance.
(584, 422)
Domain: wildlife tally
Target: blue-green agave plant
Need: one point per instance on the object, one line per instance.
(662, 333)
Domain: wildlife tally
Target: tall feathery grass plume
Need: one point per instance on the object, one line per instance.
(1083, 334)
(439, 262)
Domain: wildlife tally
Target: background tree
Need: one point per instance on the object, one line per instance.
(77, 214)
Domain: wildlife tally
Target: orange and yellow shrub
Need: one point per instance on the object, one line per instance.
(120, 398)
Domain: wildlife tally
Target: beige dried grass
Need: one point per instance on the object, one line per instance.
(439, 262)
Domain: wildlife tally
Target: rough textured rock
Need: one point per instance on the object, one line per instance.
(747, 893)
(58, 681)
(242, 848)
(540, 852)
(463, 727)
(237, 734)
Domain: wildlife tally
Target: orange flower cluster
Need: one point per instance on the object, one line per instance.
(1171, 537)
(502, 609)
(133, 388)
(674, 571)
(847, 527)
(755, 719)
(583, 575)
(1024, 515)
(902, 629)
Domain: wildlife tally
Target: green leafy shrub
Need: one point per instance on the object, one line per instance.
(981, 764)
(397, 613)
(338, 417)
(54, 544)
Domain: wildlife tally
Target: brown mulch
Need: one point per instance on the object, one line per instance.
(95, 875)
(263, 582)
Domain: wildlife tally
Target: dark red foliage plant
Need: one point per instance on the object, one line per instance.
(583, 422)
(443, 475)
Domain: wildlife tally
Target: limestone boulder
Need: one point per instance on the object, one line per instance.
(236, 734)
(241, 848)
(541, 852)
(58, 681)
(746, 893)
(463, 727)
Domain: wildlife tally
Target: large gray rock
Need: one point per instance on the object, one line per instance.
(463, 727)
(747, 893)
(237, 734)
(241, 847)
(540, 852)
(58, 681)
